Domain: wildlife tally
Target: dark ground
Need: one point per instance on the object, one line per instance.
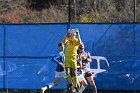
(64, 91)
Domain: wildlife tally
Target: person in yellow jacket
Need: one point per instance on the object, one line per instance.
(72, 44)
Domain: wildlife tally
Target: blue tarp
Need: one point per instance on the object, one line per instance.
(29, 48)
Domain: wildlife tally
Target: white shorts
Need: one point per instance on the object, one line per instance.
(81, 78)
(85, 70)
(60, 74)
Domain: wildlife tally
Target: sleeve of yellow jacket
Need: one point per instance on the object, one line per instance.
(79, 40)
(65, 39)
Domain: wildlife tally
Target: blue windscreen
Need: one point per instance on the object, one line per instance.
(29, 50)
(33, 40)
(1, 40)
(115, 42)
(31, 73)
(2, 73)
(136, 65)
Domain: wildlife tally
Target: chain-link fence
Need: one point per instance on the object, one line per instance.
(27, 50)
(27, 46)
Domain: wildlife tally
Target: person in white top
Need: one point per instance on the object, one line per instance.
(86, 60)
